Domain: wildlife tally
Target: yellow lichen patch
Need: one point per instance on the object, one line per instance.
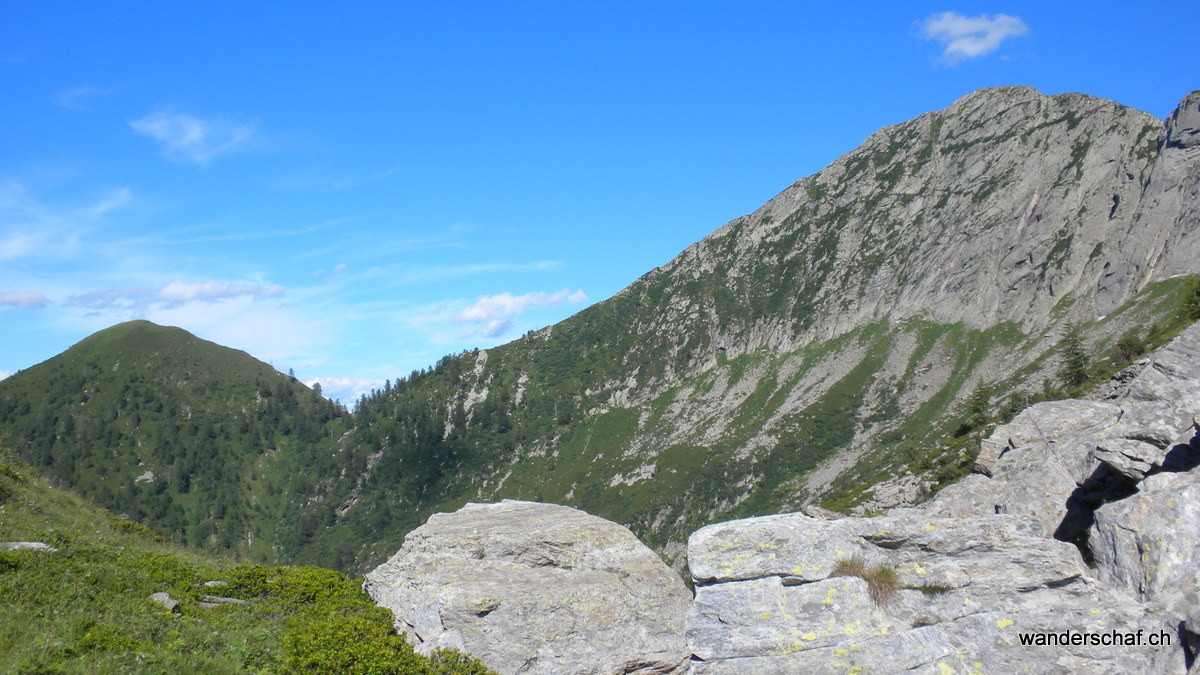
(796, 646)
(930, 527)
(766, 616)
(1004, 623)
(918, 569)
(944, 669)
(841, 652)
(810, 636)
(829, 595)
(881, 631)
(767, 546)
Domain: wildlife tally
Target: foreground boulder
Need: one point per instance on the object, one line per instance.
(930, 595)
(536, 588)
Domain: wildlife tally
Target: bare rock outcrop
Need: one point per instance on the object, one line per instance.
(958, 595)
(536, 588)
(995, 562)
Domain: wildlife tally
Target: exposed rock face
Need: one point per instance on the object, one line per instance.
(536, 588)
(966, 590)
(977, 566)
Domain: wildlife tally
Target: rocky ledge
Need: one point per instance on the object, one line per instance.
(1072, 549)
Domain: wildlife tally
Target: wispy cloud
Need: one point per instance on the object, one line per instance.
(22, 299)
(497, 312)
(345, 389)
(180, 291)
(29, 227)
(188, 139)
(6, 373)
(147, 298)
(504, 305)
(78, 99)
(969, 37)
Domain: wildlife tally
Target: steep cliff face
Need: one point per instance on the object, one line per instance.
(830, 337)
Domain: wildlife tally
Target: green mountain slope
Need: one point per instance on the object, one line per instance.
(86, 607)
(202, 443)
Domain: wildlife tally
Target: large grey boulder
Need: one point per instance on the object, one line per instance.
(966, 591)
(1149, 543)
(536, 588)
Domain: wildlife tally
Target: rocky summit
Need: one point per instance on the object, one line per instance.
(1072, 549)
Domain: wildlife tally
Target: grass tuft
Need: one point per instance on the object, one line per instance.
(882, 580)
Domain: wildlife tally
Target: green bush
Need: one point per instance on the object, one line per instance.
(1128, 348)
(331, 627)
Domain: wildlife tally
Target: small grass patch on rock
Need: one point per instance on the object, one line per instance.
(882, 580)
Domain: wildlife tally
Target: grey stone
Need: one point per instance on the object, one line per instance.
(1149, 543)
(210, 601)
(966, 589)
(168, 603)
(535, 588)
(1130, 458)
(27, 546)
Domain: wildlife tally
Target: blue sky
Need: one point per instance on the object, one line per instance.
(352, 190)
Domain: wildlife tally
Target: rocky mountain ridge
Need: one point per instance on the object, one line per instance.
(827, 341)
(945, 254)
(979, 579)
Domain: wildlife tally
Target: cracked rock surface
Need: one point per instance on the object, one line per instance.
(536, 588)
(995, 556)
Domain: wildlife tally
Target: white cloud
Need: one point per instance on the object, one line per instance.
(345, 389)
(144, 298)
(969, 37)
(6, 373)
(22, 299)
(191, 140)
(268, 329)
(492, 308)
(180, 291)
(496, 328)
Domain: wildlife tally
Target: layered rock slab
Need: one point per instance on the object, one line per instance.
(965, 591)
(536, 588)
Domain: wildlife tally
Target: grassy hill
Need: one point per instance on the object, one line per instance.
(204, 444)
(87, 607)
